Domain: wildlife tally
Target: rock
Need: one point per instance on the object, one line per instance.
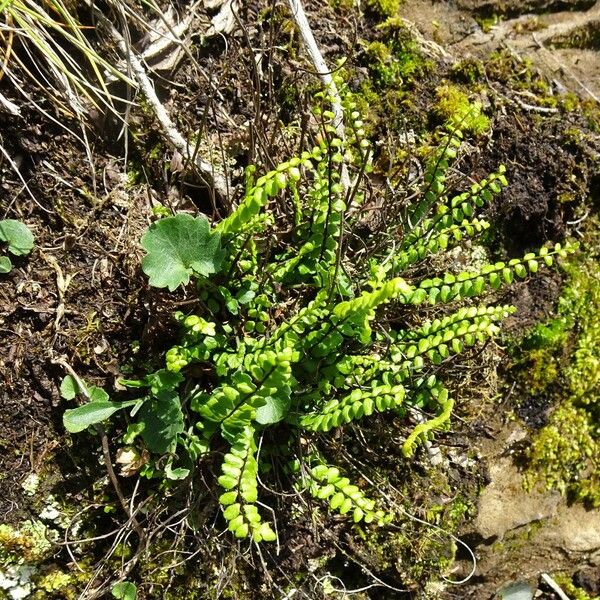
(576, 529)
(520, 590)
(504, 505)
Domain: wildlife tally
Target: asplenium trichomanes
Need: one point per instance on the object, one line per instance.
(300, 319)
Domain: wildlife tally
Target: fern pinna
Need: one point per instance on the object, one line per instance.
(302, 327)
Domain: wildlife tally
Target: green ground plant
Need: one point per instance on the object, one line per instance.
(574, 591)
(305, 325)
(384, 8)
(124, 590)
(18, 240)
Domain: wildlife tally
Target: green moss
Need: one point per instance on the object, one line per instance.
(547, 336)
(486, 23)
(468, 71)
(421, 555)
(24, 554)
(396, 66)
(28, 543)
(383, 67)
(54, 581)
(289, 96)
(572, 591)
(569, 102)
(542, 361)
(455, 109)
(565, 451)
(135, 174)
(544, 370)
(591, 113)
(395, 58)
(341, 5)
(518, 73)
(586, 37)
(565, 454)
(384, 8)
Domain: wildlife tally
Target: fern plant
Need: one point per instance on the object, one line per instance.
(305, 325)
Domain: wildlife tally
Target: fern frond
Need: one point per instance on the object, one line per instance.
(239, 480)
(489, 277)
(446, 405)
(240, 221)
(326, 483)
(360, 403)
(435, 177)
(368, 301)
(435, 241)
(451, 221)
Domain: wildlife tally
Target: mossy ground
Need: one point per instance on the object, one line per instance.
(561, 362)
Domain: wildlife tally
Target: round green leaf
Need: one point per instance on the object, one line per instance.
(18, 237)
(227, 482)
(5, 264)
(69, 388)
(124, 590)
(274, 409)
(179, 247)
(228, 498)
(232, 511)
(267, 534)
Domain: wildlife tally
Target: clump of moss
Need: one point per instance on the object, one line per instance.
(22, 551)
(487, 22)
(542, 359)
(383, 66)
(55, 581)
(28, 543)
(342, 5)
(386, 98)
(384, 8)
(569, 102)
(395, 58)
(468, 71)
(591, 112)
(455, 109)
(585, 37)
(565, 453)
(574, 592)
(517, 73)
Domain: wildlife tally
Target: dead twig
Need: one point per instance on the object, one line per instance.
(213, 178)
(325, 73)
(554, 586)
